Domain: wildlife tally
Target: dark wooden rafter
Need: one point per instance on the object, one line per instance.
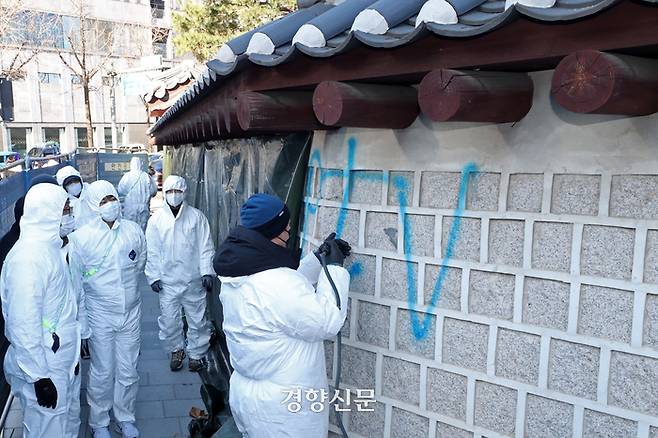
(277, 111)
(594, 82)
(365, 105)
(626, 26)
(469, 96)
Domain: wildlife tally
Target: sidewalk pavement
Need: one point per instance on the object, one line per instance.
(164, 399)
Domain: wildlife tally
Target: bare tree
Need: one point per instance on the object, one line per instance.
(23, 34)
(90, 46)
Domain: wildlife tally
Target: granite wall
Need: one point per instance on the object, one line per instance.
(505, 281)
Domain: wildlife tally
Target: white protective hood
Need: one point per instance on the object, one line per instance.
(66, 172)
(42, 213)
(97, 191)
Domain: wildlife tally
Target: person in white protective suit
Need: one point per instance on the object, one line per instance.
(275, 320)
(137, 188)
(111, 253)
(179, 268)
(40, 310)
(69, 178)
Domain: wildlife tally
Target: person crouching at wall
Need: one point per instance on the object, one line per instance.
(275, 320)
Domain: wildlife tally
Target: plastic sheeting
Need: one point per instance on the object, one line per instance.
(220, 176)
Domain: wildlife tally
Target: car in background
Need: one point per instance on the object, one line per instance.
(47, 149)
(8, 157)
(132, 148)
(156, 167)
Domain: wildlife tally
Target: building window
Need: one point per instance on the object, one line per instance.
(76, 80)
(52, 134)
(157, 8)
(18, 139)
(159, 38)
(49, 78)
(107, 134)
(81, 137)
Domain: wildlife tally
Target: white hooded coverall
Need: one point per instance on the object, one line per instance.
(37, 300)
(110, 262)
(275, 323)
(180, 253)
(137, 188)
(81, 210)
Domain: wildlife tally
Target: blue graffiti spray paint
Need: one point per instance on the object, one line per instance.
(421, 328)
(342, 215)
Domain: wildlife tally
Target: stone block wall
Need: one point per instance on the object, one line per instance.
(495, 293)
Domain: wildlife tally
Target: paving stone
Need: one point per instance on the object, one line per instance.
(161, 428)
(607, 252)
(506, 242)
(483, 191)
(362, 273)
(546, 418)
(181, 408)
(551, 246)
(576, 194)
(465, 344)
(149, 409)
(328, 221)
(467, 243)
(421, 233)
(329, 185)
(358, 367)
(634, 383)
(439, 189)
(444, 430)
(366, 187)
(156, 392)
(546, 303)
(401, 380)
(634, 196)
(382, 231)
(396, 277)
(495, 407)
(373, 323)
(369, 424)
(449, 293)
(446, 393)
(525, 192)
(491, 294)
(651, 258)
(405, 424)
(517, 356)
(606, 313)
(418, 337)
(400, 182)
(600, 425)
(573, 368)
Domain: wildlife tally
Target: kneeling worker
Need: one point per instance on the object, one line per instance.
(275, 320)
(110, 254)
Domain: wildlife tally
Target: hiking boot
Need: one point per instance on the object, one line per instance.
(128, 430)
(197, 365)
(177, 360)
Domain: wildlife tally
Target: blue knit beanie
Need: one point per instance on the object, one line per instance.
(266, 214)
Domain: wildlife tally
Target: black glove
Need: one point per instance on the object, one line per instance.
(156, 286)
(207, 282)
(84, 349)
(46, 393)
(340, 246)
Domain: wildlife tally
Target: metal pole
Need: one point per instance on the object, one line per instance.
(113, 110)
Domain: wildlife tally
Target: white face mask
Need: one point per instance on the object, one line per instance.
(74, 189)
(110, 211)
(67, 226)
(175, 198)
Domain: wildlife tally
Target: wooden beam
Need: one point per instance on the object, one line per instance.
(468, 96)
(589, 81)
(280, 111)
(365, 105)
